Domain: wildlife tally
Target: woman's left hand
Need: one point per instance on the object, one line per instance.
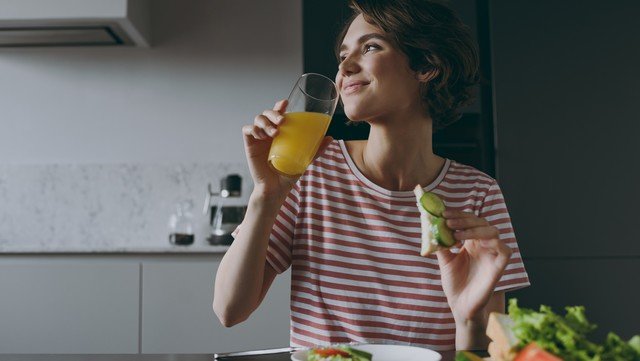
(469, 277)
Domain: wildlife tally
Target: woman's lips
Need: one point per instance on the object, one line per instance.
(353, 87)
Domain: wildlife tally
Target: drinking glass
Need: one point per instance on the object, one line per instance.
(311, 105)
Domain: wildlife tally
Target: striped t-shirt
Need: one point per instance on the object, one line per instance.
(357, 275)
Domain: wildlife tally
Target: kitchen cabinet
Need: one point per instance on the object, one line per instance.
(177, 314)
(69, 308)
(566, 87)
(127, 303)
(566, 104)
(606, 287)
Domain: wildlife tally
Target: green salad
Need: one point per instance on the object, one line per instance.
(566, 336)
(338, 353)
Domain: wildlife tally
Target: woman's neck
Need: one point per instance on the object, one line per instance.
(398, 156)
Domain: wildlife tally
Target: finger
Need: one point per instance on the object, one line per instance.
(325, 143)
(450, 213)
(273, 116)
(489, 243)
(486, 232)
(265, 125)
(246, 135)
(281, 106)
(246, 130)
(497, 247)
(259, 133)
(505, 251)
(445, 256)
(466, 223)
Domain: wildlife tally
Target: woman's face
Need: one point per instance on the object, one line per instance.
(374, 77)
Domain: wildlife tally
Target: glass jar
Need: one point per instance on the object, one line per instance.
(181, 225)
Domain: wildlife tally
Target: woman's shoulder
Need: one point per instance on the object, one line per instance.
(463, 172)
(332, 157)
(351, 147)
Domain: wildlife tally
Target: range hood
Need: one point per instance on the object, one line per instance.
(35, 23)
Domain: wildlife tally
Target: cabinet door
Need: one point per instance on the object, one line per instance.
(566, 90)
(177, 313)
(606, 287)
(69, 308)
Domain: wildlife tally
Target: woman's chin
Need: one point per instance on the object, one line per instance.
(354, 114)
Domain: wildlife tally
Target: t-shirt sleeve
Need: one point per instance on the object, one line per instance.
(281, 237)
(494, 210)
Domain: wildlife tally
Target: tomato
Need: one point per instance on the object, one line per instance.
(326, 352)
(533, 352)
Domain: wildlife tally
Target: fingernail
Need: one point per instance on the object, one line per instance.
(272, 131)
(280, 119)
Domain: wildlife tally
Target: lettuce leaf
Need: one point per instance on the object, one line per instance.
(566, 336)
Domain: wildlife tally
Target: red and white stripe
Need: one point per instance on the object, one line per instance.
(357, 275)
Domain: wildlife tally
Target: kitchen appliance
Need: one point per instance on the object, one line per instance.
(226, 213)
(37, 23)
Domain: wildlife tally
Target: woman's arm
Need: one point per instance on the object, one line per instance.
(471, 333)
(244, 276)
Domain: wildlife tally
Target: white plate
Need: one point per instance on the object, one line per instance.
(386, 353)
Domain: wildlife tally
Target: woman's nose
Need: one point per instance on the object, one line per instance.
(348, 66)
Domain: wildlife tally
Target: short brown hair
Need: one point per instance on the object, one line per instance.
(433, 38)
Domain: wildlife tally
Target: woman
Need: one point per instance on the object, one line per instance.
(349, 227)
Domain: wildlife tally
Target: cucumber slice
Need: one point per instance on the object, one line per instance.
(432, 204)
(358, 354)
(467, 356)
(441, 232)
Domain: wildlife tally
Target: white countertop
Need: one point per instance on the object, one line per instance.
(167, 249)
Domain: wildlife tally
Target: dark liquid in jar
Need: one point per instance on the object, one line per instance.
(181, 239)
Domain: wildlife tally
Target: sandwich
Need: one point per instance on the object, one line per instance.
(436, 234)
(504, 343)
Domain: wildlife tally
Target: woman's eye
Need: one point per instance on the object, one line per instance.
(369, 47)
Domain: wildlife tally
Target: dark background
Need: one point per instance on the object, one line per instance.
(556, 122)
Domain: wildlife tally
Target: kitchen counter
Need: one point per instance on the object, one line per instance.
(167, 249)
(446, 356)
(133, 357)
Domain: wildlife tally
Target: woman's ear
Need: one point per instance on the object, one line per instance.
(425, 76)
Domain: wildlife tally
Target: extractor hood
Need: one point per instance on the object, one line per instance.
(34, 23)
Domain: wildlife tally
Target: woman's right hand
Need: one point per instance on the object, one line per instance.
(257, 142)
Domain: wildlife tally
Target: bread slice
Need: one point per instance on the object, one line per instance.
(429, 243)
(503, 340)
(495, 353)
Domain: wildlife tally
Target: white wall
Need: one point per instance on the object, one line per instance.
(213, 65)
(97, 144)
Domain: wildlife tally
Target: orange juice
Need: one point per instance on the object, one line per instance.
(299, 137)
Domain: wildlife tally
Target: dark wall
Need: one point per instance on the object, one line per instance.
(567, 85)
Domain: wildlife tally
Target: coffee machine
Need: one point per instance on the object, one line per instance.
(224, 209)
